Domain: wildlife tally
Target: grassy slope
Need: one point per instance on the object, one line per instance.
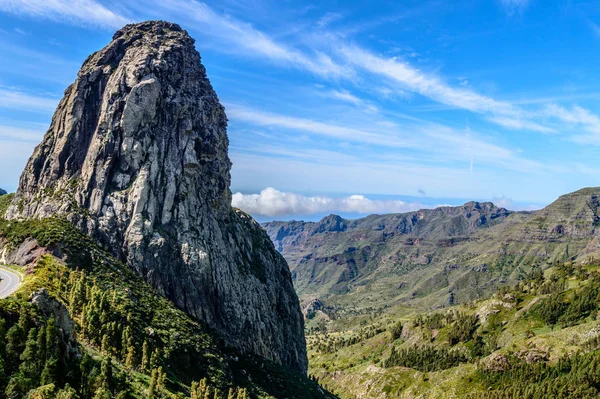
(514, 327)
(188, 350)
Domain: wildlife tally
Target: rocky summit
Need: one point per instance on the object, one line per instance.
(136, 157)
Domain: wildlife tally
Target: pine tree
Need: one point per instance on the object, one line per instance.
(41, 343)
(155, 358)
(2, 337)
(15, 343)
(123, 395)
(126, 341)
(85, 367)
(17, 386)
(49, 371)
(30, 363)
(52, 345)
(194, 390)
(105, 346)
(160, 378)
(202, 387)
(152, 386)
(102, 393)
(130, 359)
(145, 356)
(2, 373)
(230, 395)
(67, 393)
(106, 373)
(77, 296)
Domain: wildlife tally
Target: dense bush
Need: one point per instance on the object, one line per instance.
(424, 358)
(576, 377)
(463, 328)
(396, 330)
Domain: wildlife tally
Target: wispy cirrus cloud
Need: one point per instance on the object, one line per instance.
(340, 132)
(520, 124)
(19, 134)
(244, 37)
(81, 12)
(328, 19)
(512, 7)
(12, 99)
(346, 96)
(272, 202)
(376, 136)
(328, 61)
(416, 81)
(579, 116)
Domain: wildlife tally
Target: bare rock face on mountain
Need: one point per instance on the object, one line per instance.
(136, 156)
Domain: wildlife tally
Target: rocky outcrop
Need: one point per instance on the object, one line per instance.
(52, 308)
(136, 156)
(26, 253)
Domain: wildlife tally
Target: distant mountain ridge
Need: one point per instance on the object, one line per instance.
(433, 257)
(455, 221)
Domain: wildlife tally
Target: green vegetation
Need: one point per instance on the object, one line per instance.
(570, 377)
(424, 358)
(129, 341)
(539, 338)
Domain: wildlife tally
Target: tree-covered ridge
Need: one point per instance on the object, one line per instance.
(132, 342)
(539, 338)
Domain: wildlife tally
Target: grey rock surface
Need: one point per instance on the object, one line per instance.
(136, 156)
(51, 307)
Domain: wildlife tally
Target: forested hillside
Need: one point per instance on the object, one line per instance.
(83, 325)
(539, 338)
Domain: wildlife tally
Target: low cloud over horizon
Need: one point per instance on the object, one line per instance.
(272, 202)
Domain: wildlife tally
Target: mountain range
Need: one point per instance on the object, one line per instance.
(433, 257)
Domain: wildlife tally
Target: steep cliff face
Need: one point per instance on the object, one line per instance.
(136, 156)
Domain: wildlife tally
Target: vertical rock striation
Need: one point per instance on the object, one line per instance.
(136, 156)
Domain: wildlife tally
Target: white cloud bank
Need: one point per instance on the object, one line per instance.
(272, 202)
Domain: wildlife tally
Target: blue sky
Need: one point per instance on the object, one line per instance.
(350, 107)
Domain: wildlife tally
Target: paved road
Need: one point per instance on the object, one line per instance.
(10, 282)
